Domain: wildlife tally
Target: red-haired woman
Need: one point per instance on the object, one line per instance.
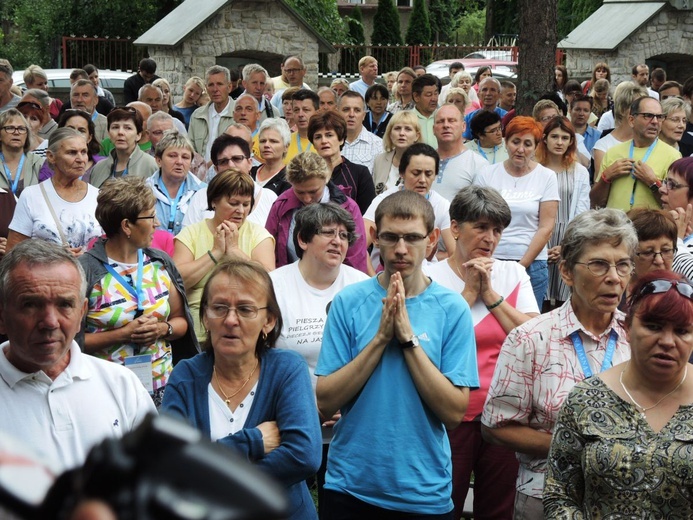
(621, 445)
(558, 152)
(531, 191)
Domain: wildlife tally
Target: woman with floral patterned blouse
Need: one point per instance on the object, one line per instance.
(623, 442)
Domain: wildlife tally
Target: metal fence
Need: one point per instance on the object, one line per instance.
(105, 53)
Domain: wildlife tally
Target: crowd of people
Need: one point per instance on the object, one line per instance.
(393, 289)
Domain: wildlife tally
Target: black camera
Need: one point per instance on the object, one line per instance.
(164, 469)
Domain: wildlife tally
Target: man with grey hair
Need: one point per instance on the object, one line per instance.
(153, 96)
(61, 401)
(83, 97)
(293, 72)
(210, 120)
(489, 94)
(41, 98)
(7, 98)
(254, 81)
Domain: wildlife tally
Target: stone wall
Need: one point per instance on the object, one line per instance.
(260, 28)
(666, 40)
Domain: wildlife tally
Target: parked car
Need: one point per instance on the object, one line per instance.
(502, 69)
(59, 82)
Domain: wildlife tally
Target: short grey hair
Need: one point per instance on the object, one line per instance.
(36, 252)
(249, 96)
(159, 116)
(146, 87)
(594, 227)
(59, 135)
(278, 125)
(327, 89)
(494, 80)
(253, 68)
(173, 139)
(674, 104)
(83, 83)
(218, 69)
(41, 95)
(474, 203)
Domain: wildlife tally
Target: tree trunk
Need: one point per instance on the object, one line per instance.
(538, 39)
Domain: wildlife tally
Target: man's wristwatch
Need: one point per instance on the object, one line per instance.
(169, 332)
(413, 342)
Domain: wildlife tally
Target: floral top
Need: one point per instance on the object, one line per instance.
(606, 461)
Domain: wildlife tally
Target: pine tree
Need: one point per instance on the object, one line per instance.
(419, 29)
(350, 57)
(386, 31)
(444, 16)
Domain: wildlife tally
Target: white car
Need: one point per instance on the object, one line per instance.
(59, 82)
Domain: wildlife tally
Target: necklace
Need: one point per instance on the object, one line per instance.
(227, 398)
(643, 409)
(457, 268)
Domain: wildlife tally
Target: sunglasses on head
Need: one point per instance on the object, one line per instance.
(663, 286)
(29, 104)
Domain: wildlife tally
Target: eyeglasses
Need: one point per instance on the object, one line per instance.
(497, 130)
(675, 120)
(220, 312)
(333, 233)
(546, 119)
(127, 109)
(602, 267)
(662, 286)
(235, 159)
(15, 129)
(671, 185)
(151, 217)
(29, 104)
(650, 117)
(666, 254)
(391, 239)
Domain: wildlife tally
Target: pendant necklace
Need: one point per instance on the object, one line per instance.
(643, 410)
(227, 398)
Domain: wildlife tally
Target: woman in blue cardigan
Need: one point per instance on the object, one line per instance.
(243, 393)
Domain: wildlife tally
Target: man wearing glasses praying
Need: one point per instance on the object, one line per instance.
(632, 172)
(398, 358)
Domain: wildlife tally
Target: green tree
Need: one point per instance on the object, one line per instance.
(444, 15)
(350, 57)
(323, 16)
(419, 28)
(471, 29)
(386, 31)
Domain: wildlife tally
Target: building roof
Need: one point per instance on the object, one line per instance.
(175, 27)
(609, 25)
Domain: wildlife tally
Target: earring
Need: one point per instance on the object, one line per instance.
(128, 237)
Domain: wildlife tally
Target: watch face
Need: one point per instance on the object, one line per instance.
(415, 340)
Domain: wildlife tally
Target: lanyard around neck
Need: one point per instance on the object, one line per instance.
(18, 173)
(631, 152)
(582, 356)
(136, 291)
(300, 146)
(174, 204)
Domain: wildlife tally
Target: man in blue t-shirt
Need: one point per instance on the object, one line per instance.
(398, 359)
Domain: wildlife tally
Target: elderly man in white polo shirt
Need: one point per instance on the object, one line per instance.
(57, 399)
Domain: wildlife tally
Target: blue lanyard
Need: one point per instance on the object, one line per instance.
(374, 129)
(300, 146)
(687, 239)
(644, 159)
(174, 204)
(115, 165)
(94, 115)
(136, 291)
(13, 184)
(582, 357)
(483, 154)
